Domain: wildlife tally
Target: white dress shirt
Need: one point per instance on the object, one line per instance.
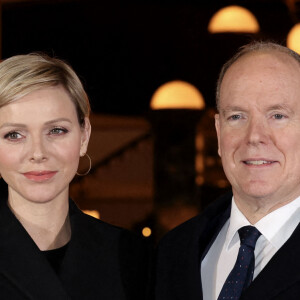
(275, 228)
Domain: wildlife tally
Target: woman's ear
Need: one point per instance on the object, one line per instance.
(85, 136)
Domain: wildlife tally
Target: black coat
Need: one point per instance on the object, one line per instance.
(181, 251)
(101, 262)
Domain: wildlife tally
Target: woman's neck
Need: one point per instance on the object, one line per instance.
(48, 224)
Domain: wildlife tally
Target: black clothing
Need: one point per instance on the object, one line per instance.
(101, 261)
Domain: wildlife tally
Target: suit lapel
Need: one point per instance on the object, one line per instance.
(187, 272)
(21, 262)
(281, 272)
(214, 227)
(196, 246)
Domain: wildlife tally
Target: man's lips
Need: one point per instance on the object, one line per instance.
(258, 162)
(39, 175)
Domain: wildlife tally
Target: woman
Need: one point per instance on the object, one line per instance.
(49, 249)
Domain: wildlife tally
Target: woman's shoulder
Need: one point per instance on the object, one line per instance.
(93, 226)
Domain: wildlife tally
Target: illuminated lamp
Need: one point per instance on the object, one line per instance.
(293, 38)
(93, 213)
(146, 232)
(176, 108)
(233, 19)
(177, 94)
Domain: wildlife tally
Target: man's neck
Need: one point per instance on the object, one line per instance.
(255, 209)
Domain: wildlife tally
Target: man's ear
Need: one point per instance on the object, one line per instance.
(217, 125)
(85, 136)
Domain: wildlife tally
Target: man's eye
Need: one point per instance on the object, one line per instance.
(13, 135)
(278, 116)
(235, 117)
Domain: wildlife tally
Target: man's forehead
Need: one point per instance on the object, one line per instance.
(263, 57)
(261, 67)
(263, 77)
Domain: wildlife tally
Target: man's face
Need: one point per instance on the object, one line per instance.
(258, 127)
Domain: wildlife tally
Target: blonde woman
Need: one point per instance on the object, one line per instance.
(49, 249)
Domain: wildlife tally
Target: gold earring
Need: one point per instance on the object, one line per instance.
(90, 166)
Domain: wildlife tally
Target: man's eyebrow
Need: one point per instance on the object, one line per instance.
(280, 107)
(230, 108)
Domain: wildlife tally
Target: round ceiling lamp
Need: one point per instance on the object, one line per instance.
(233, 19)
(177, 94)
(293, 38)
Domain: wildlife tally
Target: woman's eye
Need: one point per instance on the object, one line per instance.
(58, 131)
(13, 135)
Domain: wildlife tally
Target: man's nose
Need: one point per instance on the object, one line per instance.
(257, 132)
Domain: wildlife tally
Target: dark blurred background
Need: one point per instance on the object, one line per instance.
(123, 52)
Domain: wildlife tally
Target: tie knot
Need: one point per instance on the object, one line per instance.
(249, 236)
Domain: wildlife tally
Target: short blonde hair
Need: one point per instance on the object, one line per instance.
(23, 74)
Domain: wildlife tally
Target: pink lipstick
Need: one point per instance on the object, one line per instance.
(39, 176)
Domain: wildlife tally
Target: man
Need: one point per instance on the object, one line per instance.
(258, 129)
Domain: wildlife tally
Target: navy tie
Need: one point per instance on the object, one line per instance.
(242, 273)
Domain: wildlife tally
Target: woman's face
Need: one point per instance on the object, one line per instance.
(40, 145)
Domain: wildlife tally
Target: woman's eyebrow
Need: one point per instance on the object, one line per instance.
(12, 125)
(58, 120)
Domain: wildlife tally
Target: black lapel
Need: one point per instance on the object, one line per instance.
(22, 264)
(280, 273)
(91, 264)
(195, 245)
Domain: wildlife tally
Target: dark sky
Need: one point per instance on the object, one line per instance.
(124, 50)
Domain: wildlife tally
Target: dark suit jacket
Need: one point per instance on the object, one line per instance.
(181, 251)
(101, 262)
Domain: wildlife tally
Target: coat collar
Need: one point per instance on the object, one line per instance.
(91, 263)
(279, 274)
(21, 262)
(99, 257)
(195, 245)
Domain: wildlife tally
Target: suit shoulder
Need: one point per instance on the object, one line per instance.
(194, 226)
(181, 233)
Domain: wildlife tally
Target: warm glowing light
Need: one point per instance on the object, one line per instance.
(293, 38)
(146, 232)
(222, 183)
(177, 95)
(199, 180)
(93, 213)
(233, 19)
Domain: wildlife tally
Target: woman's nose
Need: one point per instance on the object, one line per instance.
(38, 150)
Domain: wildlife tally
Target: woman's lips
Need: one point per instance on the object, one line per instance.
(39, 175)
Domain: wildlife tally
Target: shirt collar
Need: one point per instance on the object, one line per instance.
(237, 220)
(276, 227)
